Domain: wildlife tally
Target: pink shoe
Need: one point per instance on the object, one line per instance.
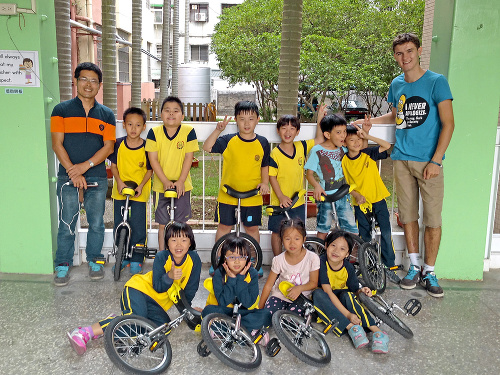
(78, 340)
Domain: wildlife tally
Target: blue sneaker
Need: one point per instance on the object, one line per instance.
(135, 268)
(96, 271)
(62, 275)
(211, 271)
(431, 285)
(125, 264)
(358, 336)
(260, 272)
(411, 279)
(380, 343)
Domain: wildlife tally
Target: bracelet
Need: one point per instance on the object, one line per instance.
(435, 162)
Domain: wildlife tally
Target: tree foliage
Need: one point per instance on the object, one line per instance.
(346, 47)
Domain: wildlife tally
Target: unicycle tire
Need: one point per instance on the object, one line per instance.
(128, 346)
(120, 253)
(237, 351)
(384, 314)
(372, 270)
(315, 244)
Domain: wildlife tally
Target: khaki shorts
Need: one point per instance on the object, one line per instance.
(409, 181)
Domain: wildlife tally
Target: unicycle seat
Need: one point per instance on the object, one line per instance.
(129, 189)
(276, 210)
(240, 194)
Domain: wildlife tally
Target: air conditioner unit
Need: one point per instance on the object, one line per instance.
(200, 17)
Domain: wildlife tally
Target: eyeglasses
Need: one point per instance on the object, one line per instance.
(233, 258)
(93, 81)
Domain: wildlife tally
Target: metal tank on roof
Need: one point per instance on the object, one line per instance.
(194, 83)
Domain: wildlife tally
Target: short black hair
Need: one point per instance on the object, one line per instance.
(351, 129)
(27, 59)
(134, 111)
(88, 66)
(170, 99)
(177, 229)
(245, 106)
(333, 235)
(288, 119)
(405, 38)
(330, 121)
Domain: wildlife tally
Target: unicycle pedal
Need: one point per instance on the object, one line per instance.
(157, 343)
(413, 306)
(273, 347)
(202, 349)
(259, 335)
(100, 260)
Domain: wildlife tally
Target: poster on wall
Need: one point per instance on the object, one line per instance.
(19, 68)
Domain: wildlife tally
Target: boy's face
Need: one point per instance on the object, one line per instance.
(337, 135)
(171, 114)
(247, 121)
(353, 142)
(288, 133)
(338, 250)
(407, 56)
(134, 125)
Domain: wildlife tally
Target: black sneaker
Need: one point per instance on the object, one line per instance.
(411, 279)
(62, 275)
(96, 271)
(431, 285)
(392, 276)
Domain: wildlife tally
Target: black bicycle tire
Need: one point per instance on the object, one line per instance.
(218, 246)
(118, 359)
(315, 244)
(386, 316)
(120, 253)
(215, 349)
(373, 272)
(278, 317)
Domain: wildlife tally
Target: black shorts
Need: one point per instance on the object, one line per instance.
(182, 208)
(250, 216)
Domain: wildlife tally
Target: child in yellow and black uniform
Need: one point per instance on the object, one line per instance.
(129, 162)
(337, 297)
(146, 295)
(235, 281)
(171, 148)
(245, 167)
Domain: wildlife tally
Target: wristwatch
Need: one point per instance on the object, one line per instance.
(91, 163)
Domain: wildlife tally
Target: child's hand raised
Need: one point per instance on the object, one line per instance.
(229, 273)
(245, 269)
(322, 111)
(367, 124)
(175, 273)
(221, 125)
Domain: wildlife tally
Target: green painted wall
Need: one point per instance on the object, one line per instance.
(474, 79)
(28, 219)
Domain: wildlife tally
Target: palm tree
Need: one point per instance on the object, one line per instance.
(109, 54)
(165, 50)
(288, 79)
(175, 56)
(136, 52)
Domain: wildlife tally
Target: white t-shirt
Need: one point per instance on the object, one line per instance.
(297, 274)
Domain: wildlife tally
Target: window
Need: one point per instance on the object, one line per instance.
(198, 13)
(158, 16)
(123, 59)
(149, 62)
(99, 47)
(170, 51)
(199, 53)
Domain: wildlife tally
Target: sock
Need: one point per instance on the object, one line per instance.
(90, 332)
(427, 268)
(414, 258)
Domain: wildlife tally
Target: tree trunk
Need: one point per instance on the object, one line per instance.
(186, 32)
(63, 35)
(175, 57)
(136, 52)
(165, 50)
(288, 79)
(109, 64)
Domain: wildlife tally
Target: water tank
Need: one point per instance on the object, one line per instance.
(194, 83)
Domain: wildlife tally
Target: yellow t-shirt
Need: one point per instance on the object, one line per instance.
(172, 152)
(242, 165)
(289, 170)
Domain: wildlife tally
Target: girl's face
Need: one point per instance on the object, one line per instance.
(235, 262)
(292, 240)
(179, 246)
(338, 250)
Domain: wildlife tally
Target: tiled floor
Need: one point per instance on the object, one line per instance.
(454, 335)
